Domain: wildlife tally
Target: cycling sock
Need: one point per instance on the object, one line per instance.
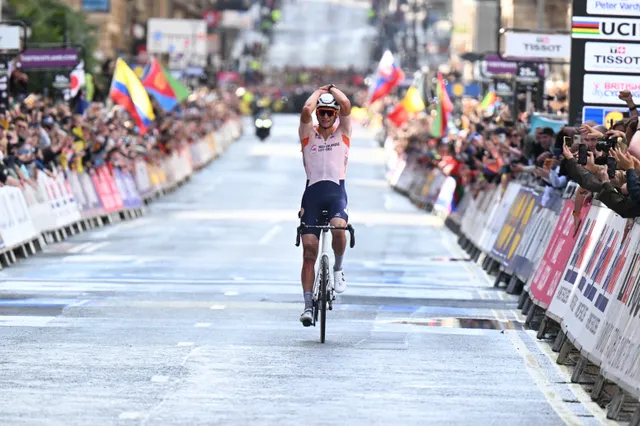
(338, 263)
(308, 300)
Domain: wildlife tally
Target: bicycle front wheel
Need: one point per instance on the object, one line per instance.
(323, 296)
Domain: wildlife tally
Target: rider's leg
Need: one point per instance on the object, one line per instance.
(339, 245)
(309, 256)
(338, 241)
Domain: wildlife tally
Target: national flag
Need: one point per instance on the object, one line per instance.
(443, 108)
(127, 91)
(489, 100)
(78, 80)
(166, 90)
(411, 104)
(388, 77)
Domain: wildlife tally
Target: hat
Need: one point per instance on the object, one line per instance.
(547, 131)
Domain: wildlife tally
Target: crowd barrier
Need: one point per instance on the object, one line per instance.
(578, 278)
(54, 207)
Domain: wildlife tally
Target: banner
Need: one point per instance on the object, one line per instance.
(514, 225)
(590, 233)
(618, 343)
(591, 295)
(554, 261)
(535, 238)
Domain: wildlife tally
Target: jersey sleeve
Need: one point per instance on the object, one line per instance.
(304, 132)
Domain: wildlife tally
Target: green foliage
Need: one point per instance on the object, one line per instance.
(50, 22)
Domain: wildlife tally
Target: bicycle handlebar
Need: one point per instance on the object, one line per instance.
(352, 232)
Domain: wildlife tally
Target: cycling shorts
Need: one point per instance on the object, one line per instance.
(323, 195)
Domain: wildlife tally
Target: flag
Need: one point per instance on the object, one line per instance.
(388, 77)
(399, 115)
(127, 91)
(489, 100)
(166, 90)
(77, 79)
(443, 108)
(411, 104)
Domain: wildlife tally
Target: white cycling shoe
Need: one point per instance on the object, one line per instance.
(339, 283)
(307, 317)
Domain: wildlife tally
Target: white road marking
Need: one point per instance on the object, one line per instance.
(182, 344)
(218, 307)
(202, 324)
(231, 293)
(97, 247)
(130, 415)
(270, 234)
(577, 389)
(79, 248)
(542, 381)
(24, 321)
(160, 379)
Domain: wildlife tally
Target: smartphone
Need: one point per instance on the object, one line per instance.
(582, 154)
(547, 163)
(567, 141)
(577, 138)
(611, 167)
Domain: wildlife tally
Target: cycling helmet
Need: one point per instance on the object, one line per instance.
(326, 100)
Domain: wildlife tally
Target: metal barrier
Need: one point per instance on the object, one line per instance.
(53, 208)
(578, 278)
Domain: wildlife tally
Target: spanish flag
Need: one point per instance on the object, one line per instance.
(127, 91)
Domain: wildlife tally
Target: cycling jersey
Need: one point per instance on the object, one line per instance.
(325, 159)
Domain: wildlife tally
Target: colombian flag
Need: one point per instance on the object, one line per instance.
(166, 90)
(389, 76)
(127, 91)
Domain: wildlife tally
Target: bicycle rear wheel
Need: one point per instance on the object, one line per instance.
(322, 299)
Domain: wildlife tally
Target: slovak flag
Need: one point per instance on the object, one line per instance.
(388, 77)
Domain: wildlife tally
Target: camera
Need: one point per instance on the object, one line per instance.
(606, 144)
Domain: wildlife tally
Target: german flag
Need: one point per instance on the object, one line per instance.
(582, 26)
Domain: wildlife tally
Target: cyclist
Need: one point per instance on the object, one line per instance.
(325, 153)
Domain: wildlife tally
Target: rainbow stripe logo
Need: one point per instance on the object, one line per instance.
(583, 26)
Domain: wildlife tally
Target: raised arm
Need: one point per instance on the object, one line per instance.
(310, 105)
(341, 99)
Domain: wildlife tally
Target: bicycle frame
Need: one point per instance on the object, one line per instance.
(320, 301)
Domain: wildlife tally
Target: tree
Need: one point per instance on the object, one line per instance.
(54, 22)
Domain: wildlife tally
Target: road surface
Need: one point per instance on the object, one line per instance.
(189, 316)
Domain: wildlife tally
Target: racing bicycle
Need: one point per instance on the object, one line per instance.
(323, 292)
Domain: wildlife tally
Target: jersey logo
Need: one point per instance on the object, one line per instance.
(314, 148)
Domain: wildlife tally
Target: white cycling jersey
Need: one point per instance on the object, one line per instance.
(325, 159)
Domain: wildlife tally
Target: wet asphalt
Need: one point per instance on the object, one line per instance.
(189, 316)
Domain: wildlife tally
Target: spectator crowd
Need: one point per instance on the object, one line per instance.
(40, 136)
(495, 149)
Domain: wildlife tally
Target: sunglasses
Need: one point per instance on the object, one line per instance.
(327, 112)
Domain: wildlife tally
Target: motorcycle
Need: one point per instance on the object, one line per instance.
(263, 125)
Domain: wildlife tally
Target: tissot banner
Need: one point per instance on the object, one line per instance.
(538, 46)
(612, 57)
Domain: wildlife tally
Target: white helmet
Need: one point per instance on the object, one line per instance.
(326, 100)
